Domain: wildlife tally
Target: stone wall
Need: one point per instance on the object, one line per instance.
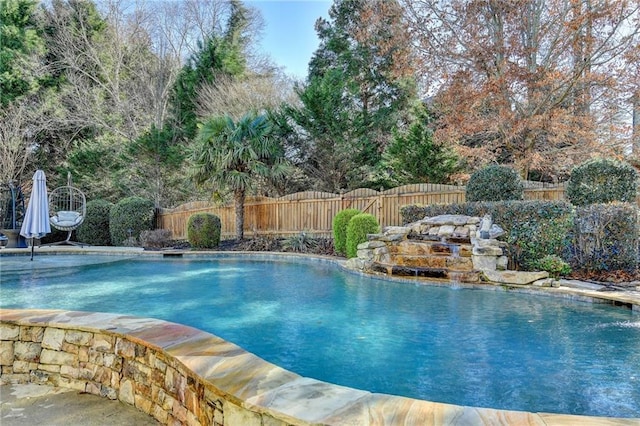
(443, 247)
(108, 365)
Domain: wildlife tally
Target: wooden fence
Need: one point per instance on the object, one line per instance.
(313, 211)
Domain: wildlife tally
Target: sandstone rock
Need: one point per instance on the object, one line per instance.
(502, 263)
(9, 332)
(515, 277)
(446, 230)
(487, 251)
(78, 337)
(392, 237)
(55, 357)
(397, 230)
(495, 231)
(370, 245)
(461, 232)
(365, 254)
(6, 352)
(412, 248)
(126, 392)
(53, 338)
(31, 334)
(27, 351)
(486, 242)
(546, 282)
(446, 219)
(459, 264)
(484, 263)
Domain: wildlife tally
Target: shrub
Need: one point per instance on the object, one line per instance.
(300, 243)
(358, 228)
(494, 183)
(340, 222)
(554, 265)
(606, 237)
(158, 238)
(324, 246)
(203, 230)
(95, 228)
(602, 181)
(128, 218)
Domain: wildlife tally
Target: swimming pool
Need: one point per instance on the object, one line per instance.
(463, 346)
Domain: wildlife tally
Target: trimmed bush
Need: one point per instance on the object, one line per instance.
(203, 230)
(554, 265)
(95, 228)
(602, 181)
(606, 238)
(358, 228)
(130, 215)
(494, 183)
(340, 222)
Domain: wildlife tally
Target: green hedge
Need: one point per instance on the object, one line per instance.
(133, 214)
(203, 230)
(602, 181)
(606, 237)
(95, 228)
(340, 222)
(494, 183)
(358, 228)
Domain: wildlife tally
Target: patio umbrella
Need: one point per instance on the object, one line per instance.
(36, 219)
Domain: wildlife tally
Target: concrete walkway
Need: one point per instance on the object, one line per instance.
(33, 404)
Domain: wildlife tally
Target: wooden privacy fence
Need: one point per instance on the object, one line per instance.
(313, 211)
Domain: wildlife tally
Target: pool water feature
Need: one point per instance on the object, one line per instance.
(463, 346)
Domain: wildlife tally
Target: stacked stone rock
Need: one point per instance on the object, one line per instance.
(108, 366)
(446, 246)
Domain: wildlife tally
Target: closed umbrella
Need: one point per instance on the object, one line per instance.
(36, 219)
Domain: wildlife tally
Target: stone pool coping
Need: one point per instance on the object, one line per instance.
(181, 374)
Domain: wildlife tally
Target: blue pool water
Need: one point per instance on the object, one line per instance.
(461, 346)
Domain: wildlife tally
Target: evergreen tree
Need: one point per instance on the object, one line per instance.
(366, 44)
(220, 54)
(413, 156)
(21, 45)
(325, 130)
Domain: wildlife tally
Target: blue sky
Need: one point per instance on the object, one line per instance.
(289, 35)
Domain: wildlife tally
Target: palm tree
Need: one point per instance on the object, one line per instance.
(235, 156)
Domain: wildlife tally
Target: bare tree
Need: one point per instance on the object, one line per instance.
(236, 97)
(529, 83)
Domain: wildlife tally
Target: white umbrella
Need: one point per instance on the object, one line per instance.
(36, 219)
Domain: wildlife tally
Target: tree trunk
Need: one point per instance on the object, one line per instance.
(238, 199)
(635, 100)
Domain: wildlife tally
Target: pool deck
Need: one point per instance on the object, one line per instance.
(268, 387)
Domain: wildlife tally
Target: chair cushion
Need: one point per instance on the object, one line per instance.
(65, 218)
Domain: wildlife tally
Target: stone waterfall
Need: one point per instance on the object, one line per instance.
(456, 248)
